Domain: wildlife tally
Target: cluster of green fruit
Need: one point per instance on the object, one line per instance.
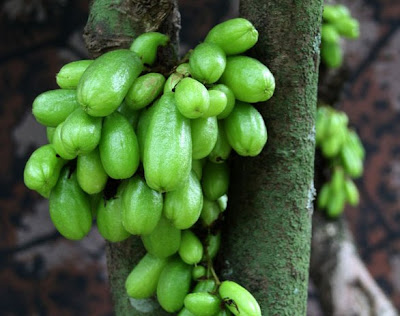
(337, 22)
(343, 148)
(147, 156)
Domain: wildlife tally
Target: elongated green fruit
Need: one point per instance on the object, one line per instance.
(119, 149)
(223, 202)
(141, 207)
(202, 304)
(234, 36)
(205, 286)
(69, 75)
(354, 141)
(210, 212)
(335, 205)
(323, 195)
(183, 205)
(185, 312)
(144, 90)
(204, 136)
(107, 80)
(230, 100)
(338, 180)
(212, 245)
(321, 125)
(191, 248)
(42, 170)
(335, 13)
(164, 240)
(197, 167)
(142, 281)
(183, 69)
(331, 54)
(91, 175)
(172, 82)
(244, 303)
(352, 194)
(52, 107)
(249, 80)
(348, 27)
(143, 126)
(331, 146)
(173, 285)
(59, 145)
(146, 45)
(207, 62)
(50, 134)
(167, 153)
(329, 33)
(109, 219)
(246, 130)
(352, 164)
(192, 98)
(198, 272)
(215, 180)
(218, 101)
(131, 115)
(222, 148)
(80, 133)
(70, 207)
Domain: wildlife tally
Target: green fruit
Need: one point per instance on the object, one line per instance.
(238, 300)
(323, 196)
(131, 115)
(348, 27)
(212, 245)
(335, 13)
(234, 36)
(119, 149)
(142, 281)
(206, 286)
(215, 180)
(204, 136)
(197, 167)
(164, 240)
(331, 54)
(191, 248)
(207, 62)
(185, 312)
(50, 134)
(141, 207)
(172, 82)
(183, 205)
(183, 69)
(144, 90)
(223, 202)
(198, 272)
(146, 45)
(42, 170)
(59, 145)
(167, 157)
(69, 75)
(230, 100)
(94, 200)
(329, 34)
(337, 182)
(222, 148)
(246, 130)
(331, 146)
(202, 304)
(143, 126)
(91, 175)
(174, 285)
(52, 107)
(218, 101)
(354, 141)
(70, 207)
(335, 205)
(109, 219)
(105, 83)
(192, 98)
(80, 133)
(352, 164)
(352, 194)
(322, 125)
(210, 212)
(224, 312)
(249, 80)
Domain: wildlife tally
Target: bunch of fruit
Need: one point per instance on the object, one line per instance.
(147, 156)
(343, 148)
(337, 22)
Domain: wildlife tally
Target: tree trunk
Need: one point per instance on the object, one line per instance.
(114, 24)
(266, 243)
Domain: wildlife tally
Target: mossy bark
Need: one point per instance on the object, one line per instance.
(266, 242)
(114, 24)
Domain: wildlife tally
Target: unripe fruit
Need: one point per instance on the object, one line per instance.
(222, 148)
(59, 145)
(218, 101)
(234, 36)
(207, 62)
(191, 249)
(329, 33)
(50, 134)
(131, 115)
(119, 149)
(173, 285)
(244, 303)
(215, 180)
(164, 240)
(210, 212)
(90, 172)
(52, 107)
(141, 207)
(192, 98)
(105, 83)
(146, 45)
(142, 281)
(198, 272)
(230, 100)
(205, 286)
(352, 194)
(249, 80)
(69, 207)
(202, 304)
(331, 54)
(204, 133)
(69, 75)
(212, 245)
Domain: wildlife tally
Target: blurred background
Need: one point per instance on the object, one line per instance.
(42, 273)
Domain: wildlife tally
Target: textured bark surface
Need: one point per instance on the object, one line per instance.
(114, 24)
(268, 232)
